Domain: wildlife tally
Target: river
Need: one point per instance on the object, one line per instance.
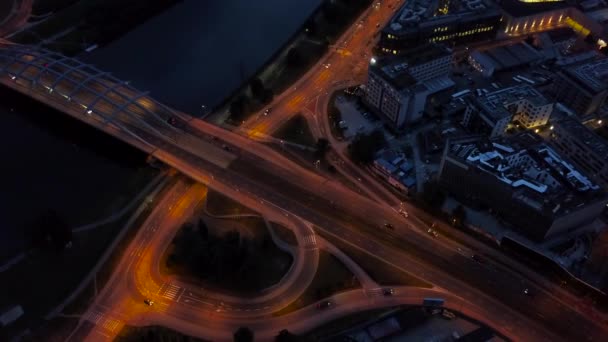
(196, 53)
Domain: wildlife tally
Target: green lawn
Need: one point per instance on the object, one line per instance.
(331, 277)
(296, 130)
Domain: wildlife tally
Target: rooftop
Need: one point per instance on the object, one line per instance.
(518, 8)
(593, 75)
(417, 13)
(394, 69)
(509, 56)
(495, 104)
(538, 175)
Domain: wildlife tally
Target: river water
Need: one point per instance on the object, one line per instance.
(199, 51)
(196, 53)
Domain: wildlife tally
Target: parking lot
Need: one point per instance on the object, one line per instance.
(355, 119)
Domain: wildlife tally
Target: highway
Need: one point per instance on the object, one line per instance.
(345, 64)
(270, 177)
(262, 178)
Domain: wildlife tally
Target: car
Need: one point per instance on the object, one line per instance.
(388, 292)
(403, 213)
(432, 232)
(148, 302)
(528, 292)
(267, 111)
(324, 305)
(477, 258)
(389, 226)
(172, 121)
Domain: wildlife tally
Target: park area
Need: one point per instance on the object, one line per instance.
(230, 254)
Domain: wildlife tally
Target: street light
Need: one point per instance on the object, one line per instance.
(372, 61)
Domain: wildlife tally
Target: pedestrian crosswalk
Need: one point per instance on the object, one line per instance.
(310, 241)
(103, 321)
(170, 291)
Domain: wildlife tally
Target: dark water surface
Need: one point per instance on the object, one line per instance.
(195, 53)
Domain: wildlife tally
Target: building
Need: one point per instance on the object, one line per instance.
(581, 145)
(522, 18)
(531, 16)
(502, 58)
(524, 181)
(397, 87)
(395, 169)
(491, 113)
(449, 22)
(583, 87)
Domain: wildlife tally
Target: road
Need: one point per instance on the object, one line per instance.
(200, 313)
(251, 172)
(344, 65)
(20, 13)
(268, 176)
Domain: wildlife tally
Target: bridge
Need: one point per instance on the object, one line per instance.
(101, 100)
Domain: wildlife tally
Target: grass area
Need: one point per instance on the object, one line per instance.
(218, 204)
(285, 234)
(332, 277)
(229, 255)
(55, 274)
(296, 130)
(61, 273)
(152, 334)
(378, 270)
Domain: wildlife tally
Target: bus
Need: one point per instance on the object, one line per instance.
(460, 93)
(433, 301)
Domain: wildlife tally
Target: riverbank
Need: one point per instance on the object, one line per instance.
(306, 47)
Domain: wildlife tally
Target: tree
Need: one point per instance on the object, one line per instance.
(459, 216)
(257, 88)
(321, 148)
(364, 146)
(243, 334)
(203, 230)
(294, 57)
(432, 195)
(239, 107)
(285, 336)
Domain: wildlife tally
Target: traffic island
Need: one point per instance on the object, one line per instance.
(236, 256)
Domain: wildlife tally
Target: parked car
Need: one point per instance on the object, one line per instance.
(389, 226)
(388, 292)
(148, 302)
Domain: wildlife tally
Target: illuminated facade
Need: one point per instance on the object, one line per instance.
(418, 22)
(525, 17)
